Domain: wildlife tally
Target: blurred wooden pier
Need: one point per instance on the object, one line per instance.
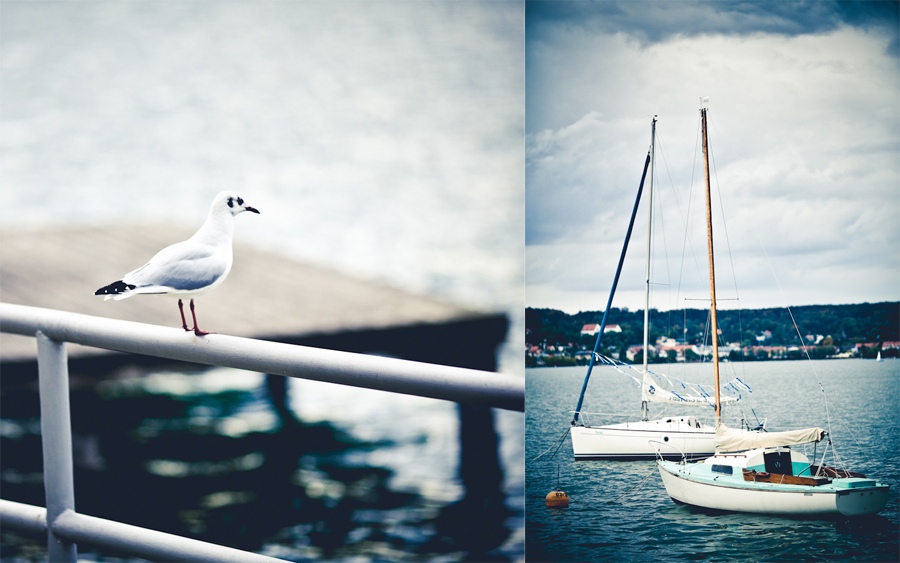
(266, 296)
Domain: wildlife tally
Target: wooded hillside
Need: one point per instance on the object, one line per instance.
(837, 326)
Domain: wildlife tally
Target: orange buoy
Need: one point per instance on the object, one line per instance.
(557, 499)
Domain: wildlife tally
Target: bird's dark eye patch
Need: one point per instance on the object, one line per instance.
(240, 201)
(230, 202)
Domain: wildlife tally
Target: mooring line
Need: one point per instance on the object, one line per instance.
(558, 445)
(641, 482)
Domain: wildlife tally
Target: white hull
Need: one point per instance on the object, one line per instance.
(670, 437)
(695, 485)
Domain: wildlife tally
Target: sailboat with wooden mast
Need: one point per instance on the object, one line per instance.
(634, 440)
(759, 472)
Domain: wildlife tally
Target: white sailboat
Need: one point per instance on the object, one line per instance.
(635, 440)
(760, 473)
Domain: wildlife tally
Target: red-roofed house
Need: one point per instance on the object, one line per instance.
(590, 330)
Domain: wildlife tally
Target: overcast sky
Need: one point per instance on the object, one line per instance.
(804, 129)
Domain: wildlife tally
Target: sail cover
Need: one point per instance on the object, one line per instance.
(731, 440)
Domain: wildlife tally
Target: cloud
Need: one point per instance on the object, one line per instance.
(690, 18)
(803, 128)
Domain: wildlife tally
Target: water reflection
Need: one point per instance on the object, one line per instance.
(223, 456)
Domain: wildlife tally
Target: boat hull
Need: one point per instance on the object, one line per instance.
(671, 438)
(695, 485)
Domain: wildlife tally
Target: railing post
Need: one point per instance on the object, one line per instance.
(56, 437)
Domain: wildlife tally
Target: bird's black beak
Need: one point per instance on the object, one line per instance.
(253, 209)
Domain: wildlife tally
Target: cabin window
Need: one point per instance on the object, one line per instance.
(726, 469)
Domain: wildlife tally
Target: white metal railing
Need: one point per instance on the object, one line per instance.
(53, 329)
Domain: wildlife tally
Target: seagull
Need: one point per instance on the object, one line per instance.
(190, 267)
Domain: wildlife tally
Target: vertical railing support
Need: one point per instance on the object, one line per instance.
(56, 432)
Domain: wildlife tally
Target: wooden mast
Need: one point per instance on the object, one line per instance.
(712, 270)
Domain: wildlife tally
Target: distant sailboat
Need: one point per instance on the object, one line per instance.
(634, 440)
(759, 472)
(878, 357)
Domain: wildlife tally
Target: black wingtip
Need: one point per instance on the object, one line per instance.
(115, 288)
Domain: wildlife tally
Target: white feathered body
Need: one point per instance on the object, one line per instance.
(188, 268)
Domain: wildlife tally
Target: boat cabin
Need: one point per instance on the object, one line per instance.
(780, 461)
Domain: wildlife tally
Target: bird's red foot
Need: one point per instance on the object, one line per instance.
(199, 332)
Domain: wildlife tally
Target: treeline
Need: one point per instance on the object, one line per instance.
(838, 326)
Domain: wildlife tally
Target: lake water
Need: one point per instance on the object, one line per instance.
(619, 511)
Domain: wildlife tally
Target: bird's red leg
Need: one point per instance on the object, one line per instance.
(197, 330)
(183, 320)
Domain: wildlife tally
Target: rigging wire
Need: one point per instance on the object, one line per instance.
(723, 215)
(859, 446)
(743, 368)
(687, 242)
(636, 485)
(799, 336)
(686, 218)
(828, 422)
(731, 261)
(558, 445)
(794, 323)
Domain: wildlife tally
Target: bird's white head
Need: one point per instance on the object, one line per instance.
(230, 202)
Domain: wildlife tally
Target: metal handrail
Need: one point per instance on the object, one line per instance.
(134, 541)
(657, 443)
(53, 329)
(450, 383)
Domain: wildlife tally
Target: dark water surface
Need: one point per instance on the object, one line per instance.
(306, 471)
(619, 511)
